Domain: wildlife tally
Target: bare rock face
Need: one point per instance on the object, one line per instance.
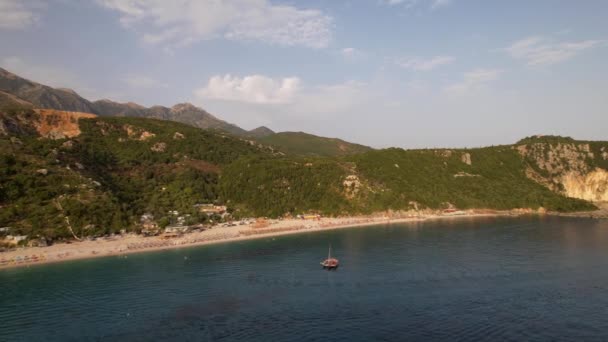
(3, 129)
(567, 168)
(56, 124)
(352, 185)
(137, 133)
(592, 186)
(68, 145)
(466, 158)
(159, 147)
(465, 174)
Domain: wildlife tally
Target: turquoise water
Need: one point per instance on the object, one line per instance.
(533, 279)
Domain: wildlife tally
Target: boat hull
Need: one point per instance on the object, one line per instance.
(330, 263)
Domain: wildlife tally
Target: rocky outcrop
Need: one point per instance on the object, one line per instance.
(56, 124)
(567, 168)
(592, 186)
(351, 184)
(159, 147)
(137, 133)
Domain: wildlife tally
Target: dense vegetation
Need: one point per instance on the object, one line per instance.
(303, 144)
(107, 177)
(277, 186)
(117, 169)
(435, 179)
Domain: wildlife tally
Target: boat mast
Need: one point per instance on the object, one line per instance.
(329, 252)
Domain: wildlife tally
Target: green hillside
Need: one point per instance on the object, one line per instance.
(303, 144)
(106, 178)
(389, 179)
(119, 168)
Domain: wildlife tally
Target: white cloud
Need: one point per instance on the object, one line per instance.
(407, 3)
(137, 81)
(18, 14)
(262, 96)
(431, 4)
(179, 23)
(541, 51)
(440, 3)
(420, 64)
(351, 54)
(253, 89)
(330, 99)
(474, 80)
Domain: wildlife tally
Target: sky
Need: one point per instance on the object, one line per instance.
(404, 73)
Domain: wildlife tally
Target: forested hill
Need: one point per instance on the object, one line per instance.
(304, 144)
(107, 172)
(104, 173)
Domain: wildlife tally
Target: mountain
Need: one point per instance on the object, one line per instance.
(9, 100)
(69, 167)
(300, 143)
(42, 96)
(182, 112)
(104, 173)
(18, 91)
(260, 132)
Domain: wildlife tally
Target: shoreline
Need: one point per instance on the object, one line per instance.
(132, 243)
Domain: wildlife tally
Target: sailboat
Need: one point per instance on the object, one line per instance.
(330, 263)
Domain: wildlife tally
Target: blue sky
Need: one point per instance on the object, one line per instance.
(407, 73)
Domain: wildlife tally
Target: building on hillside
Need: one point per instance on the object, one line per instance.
(179, 229)
(149, 227)
(15, 239)
(211, 209)
(170, 235)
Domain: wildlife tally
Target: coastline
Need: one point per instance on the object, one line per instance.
(132, 243)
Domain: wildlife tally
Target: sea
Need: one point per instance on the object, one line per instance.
(462, 279)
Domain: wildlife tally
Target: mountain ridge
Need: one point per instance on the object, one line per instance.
(306, 144)
(16, 90)
(46, 97)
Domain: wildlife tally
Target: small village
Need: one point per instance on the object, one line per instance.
(26, 251)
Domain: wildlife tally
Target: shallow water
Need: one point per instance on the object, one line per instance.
(534, 279)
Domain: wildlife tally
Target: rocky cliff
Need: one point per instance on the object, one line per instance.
(57, 124)
(574, 168)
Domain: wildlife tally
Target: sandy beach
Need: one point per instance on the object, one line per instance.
(133, 243)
